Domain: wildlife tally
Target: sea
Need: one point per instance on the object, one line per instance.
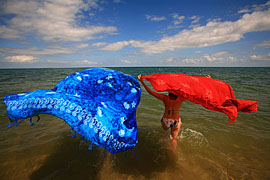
(208, 146)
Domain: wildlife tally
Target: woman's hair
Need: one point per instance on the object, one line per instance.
(173, 96)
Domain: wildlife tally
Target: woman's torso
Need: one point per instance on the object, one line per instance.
(172, 107)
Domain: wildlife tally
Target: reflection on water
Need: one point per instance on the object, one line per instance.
(64, 157)
(208, 147)
(67, 158)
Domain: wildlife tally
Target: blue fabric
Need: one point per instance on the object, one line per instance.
(100, 104)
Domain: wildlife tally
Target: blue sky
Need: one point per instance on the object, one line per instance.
(105, 33)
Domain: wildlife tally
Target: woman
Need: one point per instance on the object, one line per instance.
(171, 117)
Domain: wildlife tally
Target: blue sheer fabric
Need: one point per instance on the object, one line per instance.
(98, 103)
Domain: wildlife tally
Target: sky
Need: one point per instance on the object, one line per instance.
(134, 33)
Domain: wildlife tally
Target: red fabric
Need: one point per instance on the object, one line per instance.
(211, 93)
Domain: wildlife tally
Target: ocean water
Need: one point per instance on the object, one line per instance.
(208, 146)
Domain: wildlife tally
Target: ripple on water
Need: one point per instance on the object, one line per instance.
(208, 147)
(193, 138)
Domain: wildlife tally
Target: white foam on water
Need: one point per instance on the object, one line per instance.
(193, 137)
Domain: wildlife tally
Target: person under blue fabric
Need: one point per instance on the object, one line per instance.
(98, 103)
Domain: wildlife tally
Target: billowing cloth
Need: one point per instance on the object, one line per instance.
(212, 94)
(100, 104)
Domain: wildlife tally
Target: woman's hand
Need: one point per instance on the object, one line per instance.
(140, 77)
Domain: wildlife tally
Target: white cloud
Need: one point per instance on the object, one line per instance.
(244, 11)
(192, 60)
(57, 62)
(214, 20)
(74, 62)
(261, 57)
(213, 33)
(169, 59)
(232, 59)
(220, 53)
(9, 33)
(51, 20)
(218, 56)
(197, 52)
(116, 46)
(50, 50)
(20, 59)
(126, 61)
(177, 19)
(265, 44)
(87, 62)
(195, 19)
(212, 58)
(260, 7)
(155, 18)
(81, 46)
(99, 44)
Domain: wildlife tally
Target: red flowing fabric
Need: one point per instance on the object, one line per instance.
(211, 93)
